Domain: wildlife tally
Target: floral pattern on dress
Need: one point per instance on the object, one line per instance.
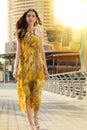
(30, 81)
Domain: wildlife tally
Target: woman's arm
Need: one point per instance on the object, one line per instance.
(44, 59)
(18, 52)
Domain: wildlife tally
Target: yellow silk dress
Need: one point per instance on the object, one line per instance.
(30, 81)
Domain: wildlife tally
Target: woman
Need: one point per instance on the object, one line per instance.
(30, 67)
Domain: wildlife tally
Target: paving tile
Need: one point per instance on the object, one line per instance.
(56, 112)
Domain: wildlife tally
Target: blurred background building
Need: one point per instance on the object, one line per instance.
(16, 8)
(62, 37)
(83, 50)
(10, 47)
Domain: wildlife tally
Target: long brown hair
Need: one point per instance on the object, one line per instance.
(21, 25)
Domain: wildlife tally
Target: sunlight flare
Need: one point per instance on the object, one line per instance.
(71, 12)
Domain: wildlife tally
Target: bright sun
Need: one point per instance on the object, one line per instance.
(71, 12)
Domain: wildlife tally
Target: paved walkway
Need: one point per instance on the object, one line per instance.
(56, 113)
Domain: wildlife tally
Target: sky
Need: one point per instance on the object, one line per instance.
(3, 25)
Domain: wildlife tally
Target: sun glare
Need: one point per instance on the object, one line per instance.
(71, 12)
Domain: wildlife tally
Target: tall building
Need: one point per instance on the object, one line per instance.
(10, 47)
(48, 16)
(67, 36)
(17, 7)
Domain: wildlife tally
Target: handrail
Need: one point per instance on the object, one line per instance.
(71, 84)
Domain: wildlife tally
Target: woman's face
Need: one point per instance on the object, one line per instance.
(31, 18)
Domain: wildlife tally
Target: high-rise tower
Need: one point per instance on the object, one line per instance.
(17, 7)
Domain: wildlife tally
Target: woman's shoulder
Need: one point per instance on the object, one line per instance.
(38, 32)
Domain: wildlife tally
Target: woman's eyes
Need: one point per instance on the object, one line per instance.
(30, 15)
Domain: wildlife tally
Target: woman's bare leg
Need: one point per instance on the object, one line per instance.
(29, 115)
(36, 120)
(35, 114)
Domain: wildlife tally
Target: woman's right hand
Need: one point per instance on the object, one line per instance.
(15, 74)
(46, 74)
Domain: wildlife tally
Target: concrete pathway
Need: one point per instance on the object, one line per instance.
(56, 113)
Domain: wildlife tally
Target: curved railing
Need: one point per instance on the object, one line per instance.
(71, 84)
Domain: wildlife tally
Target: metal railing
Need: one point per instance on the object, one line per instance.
(71, 84)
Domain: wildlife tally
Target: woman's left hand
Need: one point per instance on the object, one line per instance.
(46, 75)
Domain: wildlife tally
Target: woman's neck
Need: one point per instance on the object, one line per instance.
(30, 28)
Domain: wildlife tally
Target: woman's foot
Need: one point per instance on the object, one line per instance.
(36, 124)
(31, 126)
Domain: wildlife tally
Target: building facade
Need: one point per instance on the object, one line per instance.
(10, 47)
(17, 7)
